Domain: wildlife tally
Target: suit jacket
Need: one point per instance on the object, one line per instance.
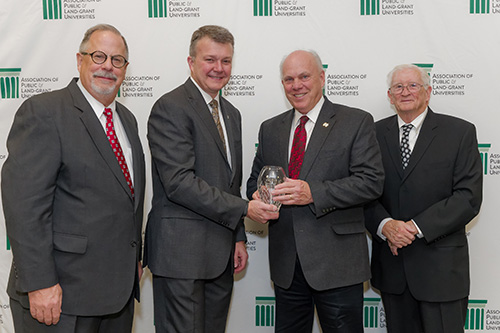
(69, 213)
(441, 190)
(197, 209)
(343, 168)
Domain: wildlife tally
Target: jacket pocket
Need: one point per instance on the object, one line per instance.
(354, 227)
(70, 243)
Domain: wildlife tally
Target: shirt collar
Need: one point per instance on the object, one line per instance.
(417, 122)
(206, 96)
(312, 115)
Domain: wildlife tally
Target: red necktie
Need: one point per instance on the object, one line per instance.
(117, 149)
(298, 149)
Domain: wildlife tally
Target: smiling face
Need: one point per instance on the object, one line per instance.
(102, 80)
(211, 66)
(409, 105)
(302, 81)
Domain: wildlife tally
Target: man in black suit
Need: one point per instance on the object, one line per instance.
(433, 189)
(74, 207)
(318, 251)
(195, 237)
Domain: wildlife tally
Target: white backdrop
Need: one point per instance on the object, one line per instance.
(359, 42)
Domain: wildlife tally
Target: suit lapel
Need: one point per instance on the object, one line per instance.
(232, 134)
(391, 138)
(425, 137)
(202, 110)
(97, 134)
(282, 137)
(324, 125)
(137, 155)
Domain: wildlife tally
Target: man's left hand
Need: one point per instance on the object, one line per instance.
(293, 192)
(240, 256)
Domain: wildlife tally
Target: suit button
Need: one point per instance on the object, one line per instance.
(133, 244)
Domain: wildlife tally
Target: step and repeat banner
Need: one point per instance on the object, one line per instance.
(359, 41)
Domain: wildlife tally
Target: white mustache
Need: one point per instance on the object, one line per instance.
(105, 74)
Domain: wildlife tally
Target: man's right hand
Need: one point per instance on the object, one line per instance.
(399, 233)
(45, 304)
(260, 211)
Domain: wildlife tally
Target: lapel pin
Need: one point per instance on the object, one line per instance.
(325, 124)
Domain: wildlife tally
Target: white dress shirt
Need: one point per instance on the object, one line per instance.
(412, 139)
(313, 118)
(98, 108)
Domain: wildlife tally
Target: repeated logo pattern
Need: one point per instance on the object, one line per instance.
(157, 8)
(370, 7)
(265, 311)
(262, 8)
(479, 6)
(52, 9)
(9, 82)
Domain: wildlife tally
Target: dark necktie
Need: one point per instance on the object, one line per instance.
(215, 116)
(405, 146)
(117, 149)
(298, 149)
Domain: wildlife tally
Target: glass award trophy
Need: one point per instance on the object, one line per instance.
(269, 177)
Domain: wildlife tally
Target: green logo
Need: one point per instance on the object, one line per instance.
(474, 319)
(52, 9)
(370, 312)
(264, 311)
(483, 151)
(157, 8)
(479, 6)
(325, 67)
(370, 7)
(262, 8)
(9, 82)
(425, 67)
(8, 243)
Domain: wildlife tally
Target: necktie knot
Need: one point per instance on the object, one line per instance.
(303, 120)
(214, 105)
(108, 113)
(407, 128)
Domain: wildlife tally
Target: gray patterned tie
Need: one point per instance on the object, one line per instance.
(405, 146)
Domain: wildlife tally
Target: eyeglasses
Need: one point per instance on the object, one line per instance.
(412, 87)
(100, 57)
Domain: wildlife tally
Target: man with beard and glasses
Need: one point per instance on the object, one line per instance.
(73, 193)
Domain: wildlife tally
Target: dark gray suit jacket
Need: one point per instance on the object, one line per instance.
(441, 190)
(197, 211)
(343, 168)
(69, 213)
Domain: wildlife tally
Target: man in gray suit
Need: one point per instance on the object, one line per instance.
(317, 248)
(433, 189)
(73, 214)
(195, 237)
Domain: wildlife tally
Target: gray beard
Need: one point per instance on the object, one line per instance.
(103, 91)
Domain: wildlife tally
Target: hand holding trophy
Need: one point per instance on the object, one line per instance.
(269, 177)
